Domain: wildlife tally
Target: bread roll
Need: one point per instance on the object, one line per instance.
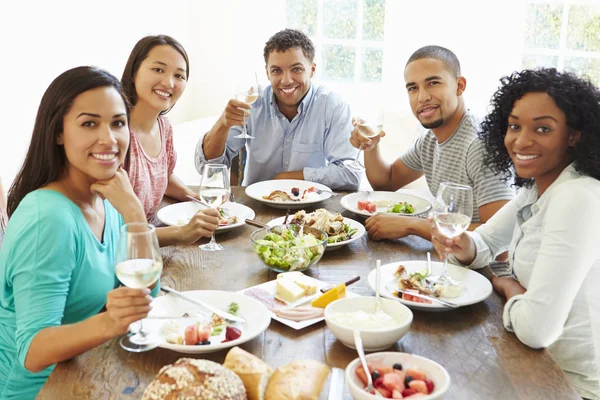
(298, 380)
(189, 378)
(255, 373)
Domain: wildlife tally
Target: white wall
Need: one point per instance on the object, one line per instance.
(224, 40)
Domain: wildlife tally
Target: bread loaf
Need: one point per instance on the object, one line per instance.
(190, 379)
(255, 373)
(298, 380)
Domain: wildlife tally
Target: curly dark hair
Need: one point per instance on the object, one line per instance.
(289, 39)
(578, 98)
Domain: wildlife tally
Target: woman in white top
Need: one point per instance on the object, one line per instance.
(544, 131)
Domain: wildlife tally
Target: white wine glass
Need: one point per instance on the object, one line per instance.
(248, 94)
(369, 125)
(214, 190)
(139, 265)
(452, 216)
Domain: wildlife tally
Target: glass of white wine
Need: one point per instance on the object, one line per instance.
(215, 190)
(248, 94)
(452, 216)
(369, 125)
(139, 265)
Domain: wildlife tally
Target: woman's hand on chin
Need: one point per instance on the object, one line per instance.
(118, 191)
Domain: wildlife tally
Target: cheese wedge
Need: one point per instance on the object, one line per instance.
(288, 291)
(330, 296)
(305, 282)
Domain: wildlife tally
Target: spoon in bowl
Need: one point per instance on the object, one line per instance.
(361, 354)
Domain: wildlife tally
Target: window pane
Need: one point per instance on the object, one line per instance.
(543, 25)
(583, 32)
(338, 63)
(339, 19)
(373, 18)
(589, 67)
(371, 65)
(532, 61)
(302, 15)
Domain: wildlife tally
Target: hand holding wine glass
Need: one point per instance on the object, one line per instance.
(452, 216)
(139, 265)
(368, 129)
(247, 94)
(214, 190)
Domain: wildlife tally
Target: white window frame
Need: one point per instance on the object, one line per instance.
(358, 44)
(562, 52)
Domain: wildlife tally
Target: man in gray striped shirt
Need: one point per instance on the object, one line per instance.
(449, 151)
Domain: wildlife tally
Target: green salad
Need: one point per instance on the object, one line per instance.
(343, 236)
(288, 252)
(401, 208)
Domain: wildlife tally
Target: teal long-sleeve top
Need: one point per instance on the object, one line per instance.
(53, 271)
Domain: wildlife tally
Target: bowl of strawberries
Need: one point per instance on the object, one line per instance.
(398, 376)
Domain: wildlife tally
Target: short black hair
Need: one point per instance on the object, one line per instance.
(578, 98)
(447, 57)
(289, 39)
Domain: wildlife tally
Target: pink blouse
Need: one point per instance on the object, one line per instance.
(149, 176)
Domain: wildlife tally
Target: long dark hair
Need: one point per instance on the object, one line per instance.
(139, 54)
(45, 160)
(577, 97)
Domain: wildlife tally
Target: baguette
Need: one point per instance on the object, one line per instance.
(253, 371)
(298, 380)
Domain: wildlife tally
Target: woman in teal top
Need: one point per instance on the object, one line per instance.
(66, 207)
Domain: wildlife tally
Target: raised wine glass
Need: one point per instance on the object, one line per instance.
(248, 94)
(214, 191)
(452, 216)
(139, 265)
(369, 125)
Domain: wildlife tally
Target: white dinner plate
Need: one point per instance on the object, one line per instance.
(350, 202)
(259, 189)
(476, 287)
(257, 317)
(270, 286)
(360, 231)
(180, 213)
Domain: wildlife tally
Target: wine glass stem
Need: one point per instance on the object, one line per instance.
(212, 238)
(141, 332)
(358, 154)
(445, 265)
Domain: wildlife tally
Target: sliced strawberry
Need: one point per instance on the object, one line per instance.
(191, 335)
(408, 392)
(371, 207)
(396, 394)
(430, 386)
(203, 333)
(362, 204)
(384, 392)
(312, 189)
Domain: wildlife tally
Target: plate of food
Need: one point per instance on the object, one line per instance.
(288, 193)
(340, 230)
(233, 215)
(368, 204)
(186, 328)
(411, 277)
(295, 299)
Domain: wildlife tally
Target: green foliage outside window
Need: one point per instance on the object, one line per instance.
(583, 30)
(338, 63)
(339, 19)
(372, 65)
(373, 19)
(543, 26)
(302, 15)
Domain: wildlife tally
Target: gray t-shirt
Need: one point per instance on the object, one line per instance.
(460, 160)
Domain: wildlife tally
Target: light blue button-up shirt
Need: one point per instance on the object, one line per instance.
(316, 141)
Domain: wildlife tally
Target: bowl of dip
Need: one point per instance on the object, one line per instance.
(379, 330)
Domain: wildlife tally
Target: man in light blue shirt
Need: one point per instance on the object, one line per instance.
(301, 130)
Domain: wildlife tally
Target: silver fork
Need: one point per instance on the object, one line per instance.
(319, 191)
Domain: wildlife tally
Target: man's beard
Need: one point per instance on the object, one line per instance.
(434, 124)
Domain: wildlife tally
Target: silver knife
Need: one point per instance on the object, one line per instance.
(210, 308)
(422, 296)
(336, 387)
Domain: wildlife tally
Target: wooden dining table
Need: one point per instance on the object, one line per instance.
(483, 359)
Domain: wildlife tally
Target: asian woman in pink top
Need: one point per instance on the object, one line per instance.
(153, 80)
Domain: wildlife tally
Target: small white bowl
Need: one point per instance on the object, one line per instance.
(435, 372)
(373, 340)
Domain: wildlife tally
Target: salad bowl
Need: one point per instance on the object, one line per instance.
(292, 247)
